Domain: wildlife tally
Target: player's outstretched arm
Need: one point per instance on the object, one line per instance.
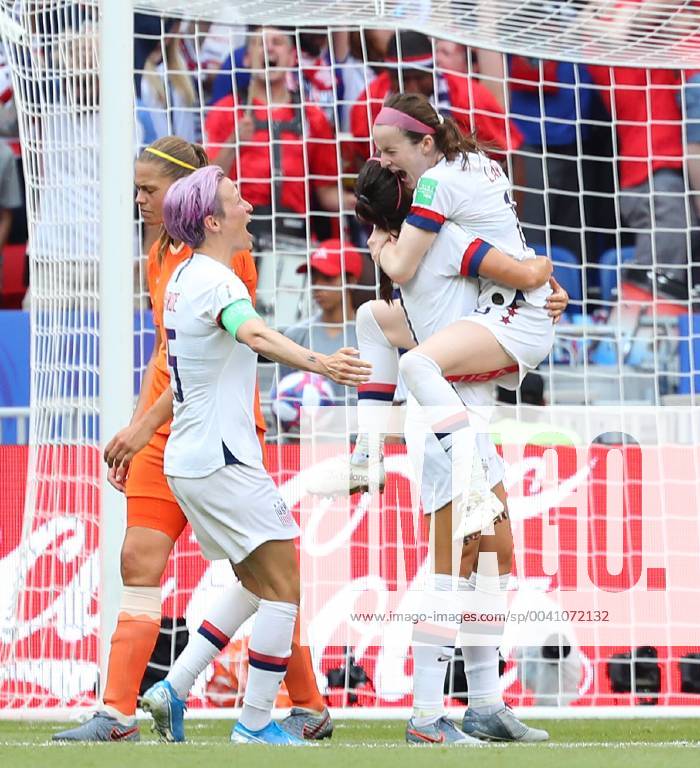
(523, 275)
(243, 323)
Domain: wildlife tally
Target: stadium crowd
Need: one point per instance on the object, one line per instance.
(604, 161)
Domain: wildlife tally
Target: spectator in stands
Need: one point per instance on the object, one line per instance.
(333, 269)
(333, 67)
(411, 62)
(168, 103)
(451, 57)
(8, 112)
(10, 195)
(552, 107)
(645, 107)
(334, 72)
(282, 163)
(691, 102)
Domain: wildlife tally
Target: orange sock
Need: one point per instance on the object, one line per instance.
(133, 642)
(300, 678)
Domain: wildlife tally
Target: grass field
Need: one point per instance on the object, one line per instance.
(574, 744)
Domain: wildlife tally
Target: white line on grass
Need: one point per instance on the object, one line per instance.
(396, 745)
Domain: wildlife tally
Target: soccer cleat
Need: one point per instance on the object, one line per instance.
(270, 734)
(307, 724)
(501, 726)
(441, 732)
(100, 727)
(167, 711)
(341, 475)
(481, 507)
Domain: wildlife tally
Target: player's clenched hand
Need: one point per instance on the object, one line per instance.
(558, 301)
(122, 448)
(377, 240)
(344, 367)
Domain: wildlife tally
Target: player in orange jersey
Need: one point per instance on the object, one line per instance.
(154, 519)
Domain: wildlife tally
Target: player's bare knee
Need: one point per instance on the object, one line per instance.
(141, 566)
(136, 569)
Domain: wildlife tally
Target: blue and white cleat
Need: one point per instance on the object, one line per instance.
(442, 732)
(270, 734)
(167, 711)
(501, 726)
(100, 727)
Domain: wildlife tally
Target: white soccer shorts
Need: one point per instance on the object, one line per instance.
(524, 331)
(233, 511)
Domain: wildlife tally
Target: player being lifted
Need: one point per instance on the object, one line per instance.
(213, 460)
(455, 183)
(437, 296)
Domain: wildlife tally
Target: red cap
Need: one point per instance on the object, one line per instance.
(327, 259)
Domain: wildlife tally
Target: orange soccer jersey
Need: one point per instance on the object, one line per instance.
(151, 503)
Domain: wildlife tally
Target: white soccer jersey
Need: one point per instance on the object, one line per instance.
(438, 294)
(211, 374)
(478, 198)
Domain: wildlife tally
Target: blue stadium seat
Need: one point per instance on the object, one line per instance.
(568, 273)
(607, 265)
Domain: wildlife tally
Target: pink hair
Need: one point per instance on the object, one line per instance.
(188, 202)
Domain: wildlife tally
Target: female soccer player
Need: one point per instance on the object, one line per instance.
(154, 518)
(213, 460)
(384, 326)
(454, 181)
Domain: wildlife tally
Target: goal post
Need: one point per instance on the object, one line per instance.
(116, 287)
(85, 112)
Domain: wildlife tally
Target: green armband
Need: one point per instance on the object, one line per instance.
(233, 317)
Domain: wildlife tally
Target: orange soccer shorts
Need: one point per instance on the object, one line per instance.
(149, 501)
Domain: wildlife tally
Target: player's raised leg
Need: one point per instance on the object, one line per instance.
(454, 427)
(381, 330)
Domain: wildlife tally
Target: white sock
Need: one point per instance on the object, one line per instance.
(377, 350)
(461, 432)
(268, 655)
(481, 668)
(426, 383)
(430, 661)
(226, 615)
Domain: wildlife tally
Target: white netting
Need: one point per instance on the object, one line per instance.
(651, 33)
(53, 59)
(625, 339)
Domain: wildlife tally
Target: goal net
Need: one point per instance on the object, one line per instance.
(593, 108)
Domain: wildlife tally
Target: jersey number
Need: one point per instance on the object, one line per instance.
(511, 205)
(172, 362)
